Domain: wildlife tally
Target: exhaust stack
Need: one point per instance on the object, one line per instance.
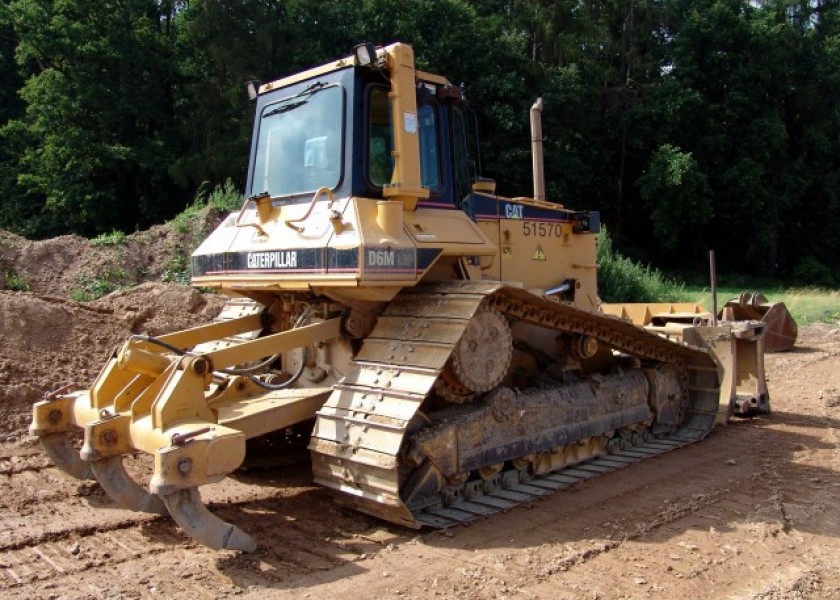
(537, 149)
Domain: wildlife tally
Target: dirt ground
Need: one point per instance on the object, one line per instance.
(751, 512)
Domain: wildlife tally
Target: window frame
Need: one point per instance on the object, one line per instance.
(366, 161)
(341, 144)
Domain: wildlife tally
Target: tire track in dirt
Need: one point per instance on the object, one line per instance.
(12, 467)
(38, 540)
(96, 551)
(710, 548)
(40, 505)
(51, 559)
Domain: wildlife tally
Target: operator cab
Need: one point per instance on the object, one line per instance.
(334, 129)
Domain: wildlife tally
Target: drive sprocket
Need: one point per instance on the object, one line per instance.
(482, 357)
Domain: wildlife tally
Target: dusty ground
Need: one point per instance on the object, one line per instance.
(751, 512)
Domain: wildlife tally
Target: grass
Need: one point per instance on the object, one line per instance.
(177, 270)
(87, 290)
(115, 238)
(806, 305)
(623, 280)
(15, 282)
(222, 198)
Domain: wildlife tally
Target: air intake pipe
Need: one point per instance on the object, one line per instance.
(537, 149)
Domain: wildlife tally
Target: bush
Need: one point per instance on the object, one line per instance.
(177, 271)
(223, 198)
(623, 280)
(15, 282)
(810, 271)
(87, 290)
(115, 238)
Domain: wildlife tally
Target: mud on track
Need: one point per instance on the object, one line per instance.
(751, 512)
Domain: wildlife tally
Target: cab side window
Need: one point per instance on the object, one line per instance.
(380, 158)
(380, 137)
(429, 147)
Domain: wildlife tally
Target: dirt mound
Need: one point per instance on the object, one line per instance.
(48, 337)
(71, 266)
(46, 341)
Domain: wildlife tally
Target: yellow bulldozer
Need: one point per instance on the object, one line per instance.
(443, 347)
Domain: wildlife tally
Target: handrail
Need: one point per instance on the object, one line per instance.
(255, 200)
(309, 210)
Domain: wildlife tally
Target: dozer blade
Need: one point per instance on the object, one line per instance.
(781, 330)
(65, 457)
(113, 478)
(203, 526)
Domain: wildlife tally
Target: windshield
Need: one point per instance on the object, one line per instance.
(300, 143)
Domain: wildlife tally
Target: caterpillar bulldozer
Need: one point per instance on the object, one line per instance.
(443, 347)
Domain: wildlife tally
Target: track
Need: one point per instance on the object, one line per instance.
(362, 428)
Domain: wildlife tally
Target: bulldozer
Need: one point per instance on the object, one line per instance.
(443, 347)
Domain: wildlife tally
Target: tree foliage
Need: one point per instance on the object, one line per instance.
(689, 125)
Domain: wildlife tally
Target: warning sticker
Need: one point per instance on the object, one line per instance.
(538, 254)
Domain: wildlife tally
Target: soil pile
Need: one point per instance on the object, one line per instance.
(69, 265)
(47, 339)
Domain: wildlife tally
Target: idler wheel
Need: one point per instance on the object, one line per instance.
(482, 357)
(668, 397)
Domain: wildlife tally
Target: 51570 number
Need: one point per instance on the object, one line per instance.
(533, 228)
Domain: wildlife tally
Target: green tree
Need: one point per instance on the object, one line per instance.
(14, 213)
(677, 194)
(97, 130)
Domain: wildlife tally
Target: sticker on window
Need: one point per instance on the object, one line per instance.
(410, 122)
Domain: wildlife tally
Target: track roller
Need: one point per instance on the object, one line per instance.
(65, 457)
(113, 478)
(203, 526)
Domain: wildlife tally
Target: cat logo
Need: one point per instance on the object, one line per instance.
(513, 211)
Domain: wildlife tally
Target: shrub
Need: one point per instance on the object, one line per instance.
(87, 290)
(623, 280)
(177, 271)
(115, 238)
(15, 282)
(810, 271)
(223, 198)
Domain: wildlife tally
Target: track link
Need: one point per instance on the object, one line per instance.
(360, 430)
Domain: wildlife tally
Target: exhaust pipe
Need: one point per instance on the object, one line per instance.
(537, 149)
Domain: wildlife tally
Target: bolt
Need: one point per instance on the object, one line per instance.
(179, 439)
(65, 389)
(185, 465)
(109, 437)
(201, 366)
(54, 417)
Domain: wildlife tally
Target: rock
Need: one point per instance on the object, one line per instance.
(75, 549)
(730, 461)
